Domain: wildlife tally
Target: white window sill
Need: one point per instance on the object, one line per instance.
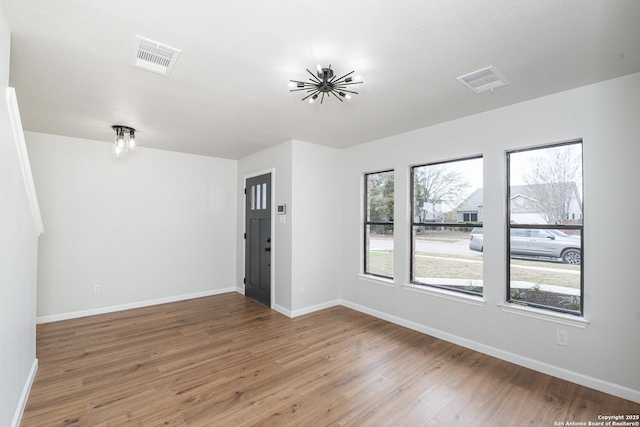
(375, 279)
(548, 315)
(443, 293)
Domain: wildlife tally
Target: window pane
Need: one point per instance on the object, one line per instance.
(545, 185)
(442, 258)
(448, 192)
(545, 227)
(379, 205)
(445, 254)
(546, 271)
(258, 198)
(253, 197)
(379, 250)
(264, 195)
(380, 197)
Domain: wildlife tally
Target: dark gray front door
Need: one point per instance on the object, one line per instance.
(257, 268)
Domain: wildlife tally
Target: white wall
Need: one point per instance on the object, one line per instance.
(305, 247)
(603, 355)
(316, 226)
(151, 226)
(18, 259)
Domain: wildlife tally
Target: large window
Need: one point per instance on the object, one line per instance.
(378, 224)
(446, 244)
(545, 227)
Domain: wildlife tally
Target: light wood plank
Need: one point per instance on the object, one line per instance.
(227, 360)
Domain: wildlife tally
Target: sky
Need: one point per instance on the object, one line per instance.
(521, 163)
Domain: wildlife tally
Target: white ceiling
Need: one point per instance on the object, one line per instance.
(228, 94)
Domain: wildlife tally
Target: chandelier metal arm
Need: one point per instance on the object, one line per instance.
(315, 92)
(346, 83)
(342, 87)
(304, 88)
(337, 97)
(314, 78)
(350, 91)
(345, 76)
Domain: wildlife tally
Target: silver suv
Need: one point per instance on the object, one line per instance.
(533, 242)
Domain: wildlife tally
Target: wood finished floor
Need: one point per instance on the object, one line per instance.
(228, 361)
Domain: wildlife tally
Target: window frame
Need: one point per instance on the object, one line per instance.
(367, 223)
(413, 224)
(510, 227)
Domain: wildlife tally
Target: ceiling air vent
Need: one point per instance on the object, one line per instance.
(153, 56)
(483, 80)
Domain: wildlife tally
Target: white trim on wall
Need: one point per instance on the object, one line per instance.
(22, 403)
(23, 156)
(121, 307)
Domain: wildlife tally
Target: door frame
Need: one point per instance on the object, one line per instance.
(274, 241)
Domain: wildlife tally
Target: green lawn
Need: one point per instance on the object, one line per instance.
(454, 267)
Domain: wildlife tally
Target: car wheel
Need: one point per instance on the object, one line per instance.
(571, 256)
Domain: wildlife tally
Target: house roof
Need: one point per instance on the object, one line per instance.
(228, 97)
(475, 199)
(472, 202)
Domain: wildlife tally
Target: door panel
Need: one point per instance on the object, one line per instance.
(258, 239)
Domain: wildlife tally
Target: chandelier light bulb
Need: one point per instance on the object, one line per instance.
(132, 140)
(117, 149)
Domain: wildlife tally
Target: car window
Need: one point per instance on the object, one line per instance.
(541, 234)
(558, 233)
(520, 232)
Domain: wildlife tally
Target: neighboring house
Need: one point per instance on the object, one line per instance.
(471, 209)
(527, 205)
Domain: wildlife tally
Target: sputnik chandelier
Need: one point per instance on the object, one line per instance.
(121, 145)
(326, 84)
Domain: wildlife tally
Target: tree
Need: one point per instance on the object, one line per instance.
(380, 197)
(438, 184)
(553, 178)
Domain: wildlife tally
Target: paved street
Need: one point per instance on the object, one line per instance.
(440, 246)
(444, 247)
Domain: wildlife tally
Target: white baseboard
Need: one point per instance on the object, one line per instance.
(22, 403)
(282, 310)
(565, 374)
(129, 306)
(307, 310)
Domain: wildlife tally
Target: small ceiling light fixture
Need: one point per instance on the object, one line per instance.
(326, 84)
(121, 145)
